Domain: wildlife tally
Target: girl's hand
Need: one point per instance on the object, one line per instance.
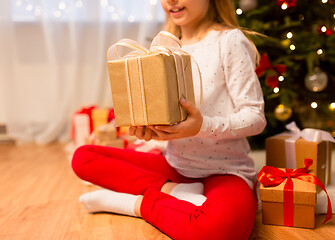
(142, 132)
(188, 128)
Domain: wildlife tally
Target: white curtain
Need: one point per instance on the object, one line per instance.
(53, 58)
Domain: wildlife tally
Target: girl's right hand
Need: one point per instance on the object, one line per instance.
(142, 132)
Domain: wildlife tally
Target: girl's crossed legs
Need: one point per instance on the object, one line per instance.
(228, 212)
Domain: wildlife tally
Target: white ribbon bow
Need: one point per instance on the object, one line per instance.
(164, 43)
(308, 134)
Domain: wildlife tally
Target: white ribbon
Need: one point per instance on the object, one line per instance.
(308, 134)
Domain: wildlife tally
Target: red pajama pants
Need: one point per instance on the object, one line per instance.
(228, 212)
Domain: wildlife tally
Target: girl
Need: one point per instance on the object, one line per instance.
(202, 188)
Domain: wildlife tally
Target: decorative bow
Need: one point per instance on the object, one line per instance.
(276, 70)
(164, 43)
(271, 176)
(308, 134)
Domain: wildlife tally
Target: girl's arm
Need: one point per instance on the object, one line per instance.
(238, 57)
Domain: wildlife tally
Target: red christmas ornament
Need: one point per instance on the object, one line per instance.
(289, 3)
(272, 81)
(271, 72)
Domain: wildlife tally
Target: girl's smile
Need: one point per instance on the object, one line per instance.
(176, 12)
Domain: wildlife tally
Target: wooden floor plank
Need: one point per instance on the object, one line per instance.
(39, 200)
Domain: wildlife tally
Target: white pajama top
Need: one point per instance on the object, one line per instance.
(232, 109)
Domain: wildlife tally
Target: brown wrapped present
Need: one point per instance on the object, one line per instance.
(147, 85)
(289, 150)
(304, 201)
(289, 196)
(99, 117)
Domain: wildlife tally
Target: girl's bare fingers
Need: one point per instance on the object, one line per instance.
(132, 130)
(147, 134)
(139, 132)
(160, 135)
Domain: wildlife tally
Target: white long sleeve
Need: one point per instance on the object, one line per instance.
(232, 109)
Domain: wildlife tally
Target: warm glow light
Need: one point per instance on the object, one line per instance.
(239, 11)
(319, 52)
(104, 3)
(29, 7)
(111, 9)
(19, 3)
(314, 105)
(79, 4)
(276, 90)
(38, 11)
(281, 78)
(131, 19)
(289, 35)
(292, 47)
(324, 1)
(57, 14)
(332, 106)
(284, 6)
(62, 5)
(323, 29)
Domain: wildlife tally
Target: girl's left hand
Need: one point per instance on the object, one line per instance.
(188, 128)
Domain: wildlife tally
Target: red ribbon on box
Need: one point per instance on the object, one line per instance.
(278, 176)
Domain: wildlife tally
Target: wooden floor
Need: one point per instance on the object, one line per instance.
(39, 200)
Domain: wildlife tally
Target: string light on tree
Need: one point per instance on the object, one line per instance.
(239, 11)
(319, 51)
(281, 78)
(314, 105)
(276, 90)
(285, 4)
(332, 106)
(324, 1)
(289, 35)
(292, 47)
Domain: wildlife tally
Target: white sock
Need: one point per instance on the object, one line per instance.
(190, 192)
(105, 200)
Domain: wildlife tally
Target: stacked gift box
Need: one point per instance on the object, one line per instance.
(286, 152)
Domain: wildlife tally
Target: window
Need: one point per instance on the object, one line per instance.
(87, 10)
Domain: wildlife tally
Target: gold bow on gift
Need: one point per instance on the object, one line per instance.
(164, 43)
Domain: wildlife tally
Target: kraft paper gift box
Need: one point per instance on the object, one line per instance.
(99, 117)
(116, 143)
(106, 133)
(146, 88)
(304, 201)
(289, 196)
(283, 151)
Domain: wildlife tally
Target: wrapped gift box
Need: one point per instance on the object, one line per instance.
(106, 133)
(275, 155)
(304, 201)
(100, 117)
(116, 143)
(146, 88)
(157, 100)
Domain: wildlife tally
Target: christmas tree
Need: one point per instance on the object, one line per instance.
(297, 65)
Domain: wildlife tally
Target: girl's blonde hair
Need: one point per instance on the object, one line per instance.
(222, 13)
